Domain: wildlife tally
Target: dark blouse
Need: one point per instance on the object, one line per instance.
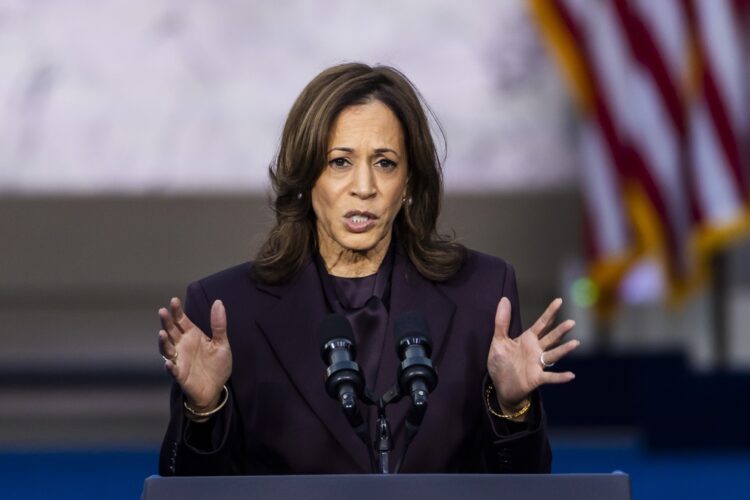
(365, 302)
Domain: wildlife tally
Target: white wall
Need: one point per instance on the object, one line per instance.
(190, 95)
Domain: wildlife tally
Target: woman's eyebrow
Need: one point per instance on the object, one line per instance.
(387, 150)
(377, 151)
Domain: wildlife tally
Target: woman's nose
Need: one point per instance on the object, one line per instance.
(363, 182)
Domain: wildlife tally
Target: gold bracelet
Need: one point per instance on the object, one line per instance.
(202, 416)
(512, 416)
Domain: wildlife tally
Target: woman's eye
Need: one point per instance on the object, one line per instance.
(338, 163)
(386, 164)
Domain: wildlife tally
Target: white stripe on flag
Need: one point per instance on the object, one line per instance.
(657, 140)
(601, 193)
(721, 39)
(665, 20)
(716, 190)
(611, 61)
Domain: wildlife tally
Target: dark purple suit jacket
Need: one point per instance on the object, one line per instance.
(279, 419)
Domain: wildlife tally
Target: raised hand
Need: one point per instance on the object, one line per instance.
(201, 365)
(518, 366)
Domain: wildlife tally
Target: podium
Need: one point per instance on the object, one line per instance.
(392, 487)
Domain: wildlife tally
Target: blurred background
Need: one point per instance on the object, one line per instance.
(598, 145)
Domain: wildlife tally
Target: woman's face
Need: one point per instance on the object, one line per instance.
(360, 191)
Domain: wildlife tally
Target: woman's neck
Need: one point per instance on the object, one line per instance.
(347, 263)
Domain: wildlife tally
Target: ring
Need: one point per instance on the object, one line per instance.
(544, 364)
(173, 360)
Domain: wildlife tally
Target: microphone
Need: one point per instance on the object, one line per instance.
(344, 380)
(416, 375)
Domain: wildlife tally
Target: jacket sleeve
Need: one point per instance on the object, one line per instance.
(511, 447)
(210, 448)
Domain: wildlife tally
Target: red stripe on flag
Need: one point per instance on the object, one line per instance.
(724, 130)
(648, 53)
(600, 116)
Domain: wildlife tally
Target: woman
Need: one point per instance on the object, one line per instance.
(358, 185)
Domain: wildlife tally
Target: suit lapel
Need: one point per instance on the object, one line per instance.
(410, 291)
(291, 328)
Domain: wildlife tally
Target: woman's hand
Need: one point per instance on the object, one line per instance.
(201, 365)
(515, 365)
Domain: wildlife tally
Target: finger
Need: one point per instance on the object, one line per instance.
(218, 322)
(178, 315)
(502, 319)
(547, 317)
(557, 377)
(559, 352)
(166, 347)
(169, 352)
(171, 368)
(168, 325)
(165, 342)
(554, 336)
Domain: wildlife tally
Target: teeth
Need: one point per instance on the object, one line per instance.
(360, 219)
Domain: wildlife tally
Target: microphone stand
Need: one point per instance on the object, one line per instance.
(384, 442)
(358, 424)
(382, 446)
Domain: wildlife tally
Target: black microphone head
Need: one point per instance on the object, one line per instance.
(334, 327)
(411, 328)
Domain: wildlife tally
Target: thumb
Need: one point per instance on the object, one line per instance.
(502, 319)
(218, 322)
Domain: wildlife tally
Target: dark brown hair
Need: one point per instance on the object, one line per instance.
(302, 157)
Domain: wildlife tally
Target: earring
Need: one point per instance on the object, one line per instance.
(299, 195)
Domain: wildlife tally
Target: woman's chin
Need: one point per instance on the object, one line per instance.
(360, 242)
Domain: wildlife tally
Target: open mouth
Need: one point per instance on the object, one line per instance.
(359, 219)
(358, 222)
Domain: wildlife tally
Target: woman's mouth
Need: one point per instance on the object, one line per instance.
(359, 222)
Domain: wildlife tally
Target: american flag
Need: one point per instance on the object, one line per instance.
(662, 95)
